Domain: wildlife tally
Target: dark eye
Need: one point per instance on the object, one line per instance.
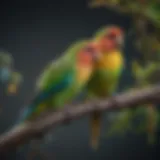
(111, 36)
(89, 49)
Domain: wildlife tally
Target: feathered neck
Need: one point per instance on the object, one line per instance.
(83, 73)
(111, 60)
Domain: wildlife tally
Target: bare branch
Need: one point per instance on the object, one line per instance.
(22, 134)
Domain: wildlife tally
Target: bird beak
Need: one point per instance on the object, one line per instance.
(97, 56)
(120, 40)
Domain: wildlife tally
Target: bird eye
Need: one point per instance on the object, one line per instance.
(111, 36)
(89, 49)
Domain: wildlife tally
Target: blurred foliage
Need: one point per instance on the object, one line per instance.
(143, 119)
(6, 59)
(145, 30)
(145, 76)
(9, 78)
(146, 23)
(148, 75)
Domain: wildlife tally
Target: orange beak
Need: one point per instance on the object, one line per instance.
(120, 40)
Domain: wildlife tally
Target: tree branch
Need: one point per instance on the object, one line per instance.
(22, 134)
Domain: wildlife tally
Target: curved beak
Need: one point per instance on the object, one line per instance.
(97, 56)
(120, 40)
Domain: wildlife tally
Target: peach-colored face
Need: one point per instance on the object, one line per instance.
(113, 39)
(89, 54)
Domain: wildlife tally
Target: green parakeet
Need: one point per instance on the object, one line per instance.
(108, 70)
(63, 79)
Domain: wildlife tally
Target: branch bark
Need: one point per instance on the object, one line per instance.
(22, 134)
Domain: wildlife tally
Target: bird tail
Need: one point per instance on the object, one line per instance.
(24, 113)
(95, 129)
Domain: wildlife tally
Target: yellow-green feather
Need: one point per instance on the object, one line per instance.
(106, 76)
(58, 84)
(104, 83)
(101, 32)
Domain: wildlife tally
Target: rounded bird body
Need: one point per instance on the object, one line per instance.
(63, 79)
(106, 76)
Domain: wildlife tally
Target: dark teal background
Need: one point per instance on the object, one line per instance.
(35, 32)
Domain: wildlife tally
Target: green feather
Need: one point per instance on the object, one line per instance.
(101, 32)
(57, 85)
(103, 83)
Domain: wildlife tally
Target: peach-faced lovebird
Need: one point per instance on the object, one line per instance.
(63, 79)
(107, 72)
(60, 82)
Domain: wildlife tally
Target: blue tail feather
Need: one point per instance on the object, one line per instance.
(25, 114)
(41, 97)
(44, 95)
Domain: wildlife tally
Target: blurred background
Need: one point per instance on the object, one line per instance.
(35, 32)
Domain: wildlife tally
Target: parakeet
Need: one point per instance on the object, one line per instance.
(63, 79)
(108, 70)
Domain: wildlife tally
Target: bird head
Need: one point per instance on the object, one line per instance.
(89, 54)
(111, 38)
(87, 58)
